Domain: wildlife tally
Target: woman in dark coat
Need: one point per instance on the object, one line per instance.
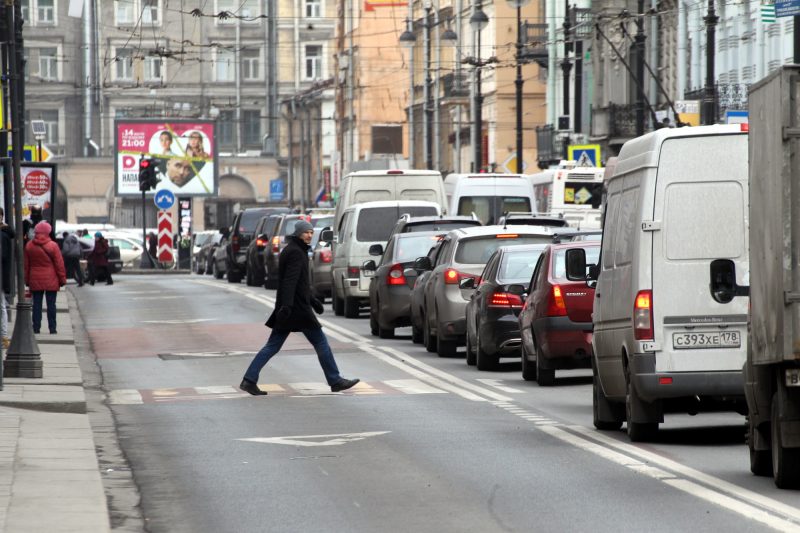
(294, 311)
(98, 260)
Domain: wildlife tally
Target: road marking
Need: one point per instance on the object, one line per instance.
(187, 321)
(497, 384)
(125, 397)
(330, 440)
(175, 297)
(413, 386)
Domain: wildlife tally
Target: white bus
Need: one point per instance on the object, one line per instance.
(574, 193)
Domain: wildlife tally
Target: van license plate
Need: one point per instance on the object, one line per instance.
(793, 377)
(701, 339)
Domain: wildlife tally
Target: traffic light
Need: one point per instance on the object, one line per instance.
(147, 174)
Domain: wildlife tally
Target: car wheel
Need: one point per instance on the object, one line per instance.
(234, 276)
(637, 431)
(601, 407)
(385, 333)
(373, 324)
(760, 460)
(416, 334)
(470, 352)
(528, 367)
(350, 307)
(428, 338)
(785, 461)
(545, 377)
(249, 279)
(446, 348)
(215, 271)
(483, 360)
(336, 303)
(258, 278)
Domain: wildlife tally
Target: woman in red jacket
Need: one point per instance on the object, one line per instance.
(44, 274)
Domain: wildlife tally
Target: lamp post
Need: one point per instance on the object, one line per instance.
(408, 38)
(709, 96)
(477, 22)
(518, 5)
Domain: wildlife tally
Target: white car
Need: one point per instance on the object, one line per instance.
(130, 248)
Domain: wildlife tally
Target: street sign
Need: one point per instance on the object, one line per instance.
(276, 190)
(787, 8)
(165, 237)
(736, 116)
(30, 152)
(510, 164)
(164, 199)
(584, 155)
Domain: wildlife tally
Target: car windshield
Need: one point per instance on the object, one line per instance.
(517, 266)
(484, 206)
(249, 220)
(409, 247)
(477, 251)
(560, 260)
(375, 224)
(436, 225)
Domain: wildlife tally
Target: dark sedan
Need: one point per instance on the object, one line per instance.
(494, 307)
(390, 283)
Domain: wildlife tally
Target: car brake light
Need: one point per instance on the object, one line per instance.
(505, 299)
(235, 243)
(353, 271)
(396, 276)
(276, 244)
(507, 236)
(643, 316)
(453, 276)
(665, 380)
(744, 126)
(395, 172)
(555, 304)
(260, 243)
(325, 256)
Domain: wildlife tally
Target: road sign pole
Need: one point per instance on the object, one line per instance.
(146, 261)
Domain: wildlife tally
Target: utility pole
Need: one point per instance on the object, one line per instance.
(566, 64)
(428, 97)
(709, 94)
(639, 43)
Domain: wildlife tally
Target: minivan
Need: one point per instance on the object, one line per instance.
(380, 185)
(666, 338)
(364, 230)
(489, 196)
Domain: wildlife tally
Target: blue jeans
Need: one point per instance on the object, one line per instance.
(50, 296)
(276, 339)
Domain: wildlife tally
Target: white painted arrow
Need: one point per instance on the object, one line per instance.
(331, 440)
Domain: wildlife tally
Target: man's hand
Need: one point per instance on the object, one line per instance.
(284, 312)
(317, 305)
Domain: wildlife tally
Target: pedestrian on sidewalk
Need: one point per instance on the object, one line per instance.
(71, 250)
(98, 260)
(7, 235)
(294, 311)
(44, 274)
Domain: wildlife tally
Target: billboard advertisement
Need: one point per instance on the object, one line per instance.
(184, 151)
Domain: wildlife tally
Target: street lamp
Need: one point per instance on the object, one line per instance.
(519, 4)
(477, 22)
(408, 38)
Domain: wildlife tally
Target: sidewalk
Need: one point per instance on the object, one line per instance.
(49, 472)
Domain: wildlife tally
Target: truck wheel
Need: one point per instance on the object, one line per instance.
(601, 408)
(483, 360)
(528, 368)
(637, 431)
(785, 461)
(350, 307)
(428, 338)
(336, 303)
(760, 460)
(545, 377)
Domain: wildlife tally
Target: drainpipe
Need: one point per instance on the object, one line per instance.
(88, 47)
(682, 38)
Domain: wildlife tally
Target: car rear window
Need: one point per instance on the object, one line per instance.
(290, 223)
(478, 250)
(484, 206)
(444, 225)
(560, 260)
(377, 223)
(249, 220)
(409, 247)
(517, 267)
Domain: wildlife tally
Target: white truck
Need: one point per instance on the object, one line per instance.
(772, 370)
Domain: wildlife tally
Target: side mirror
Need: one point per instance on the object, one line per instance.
(376, 249)
(576, 264)
(466, 283)
(517, 288)
(326, 235)
(368, 268)
(423, 263)
(723, 281)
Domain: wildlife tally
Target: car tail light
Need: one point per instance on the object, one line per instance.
(260, 244)
(453, 276)
(325, 256)
(505, 299)
(395, 275)
(353, 271)
(555, 303)
(276, 244)
(643, 316)
(395, 172)
(235, 243)
(744, 127)
(506, 236)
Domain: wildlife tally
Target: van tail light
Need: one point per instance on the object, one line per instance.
(555, 303)
(260, 244)
(643, 316)
(325, 255)
(453, 276)
(276, 244)
(396, 276)
(353, 272)
(505, 300)
(235, 243)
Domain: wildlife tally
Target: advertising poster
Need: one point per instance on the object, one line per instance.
(38, 189)
(184, 151)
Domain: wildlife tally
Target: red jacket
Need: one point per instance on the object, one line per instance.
(98, 254)
(44, 266)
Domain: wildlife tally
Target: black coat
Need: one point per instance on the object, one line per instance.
(6, 253)
(294, 289)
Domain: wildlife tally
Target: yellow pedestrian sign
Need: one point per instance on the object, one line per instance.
(585, 155)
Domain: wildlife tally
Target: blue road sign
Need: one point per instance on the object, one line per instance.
(787, 8)
(164, 199)
(276, 190)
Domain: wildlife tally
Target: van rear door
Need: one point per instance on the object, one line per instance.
(699, 215)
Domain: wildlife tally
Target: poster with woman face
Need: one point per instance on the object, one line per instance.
(184, 153)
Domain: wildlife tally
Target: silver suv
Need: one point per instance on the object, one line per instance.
(462, 254)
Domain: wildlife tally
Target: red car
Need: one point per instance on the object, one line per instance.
(556, 318)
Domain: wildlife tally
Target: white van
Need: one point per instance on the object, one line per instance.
(489, 195)
(669, 334)
(363, 225)
(377, 185)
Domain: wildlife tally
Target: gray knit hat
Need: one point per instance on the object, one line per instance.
(301, 227)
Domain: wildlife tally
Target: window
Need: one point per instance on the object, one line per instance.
(313, 62)
(50, 118)
(124, 12)
(26, 10)
(150, 12)
(45, 11)
(225, 127)
(377, 223)
(252, 127)
(124, 61)
(48, 63)
(478, 250)
(313, 8)
(409, 247)
(226, 65)
(152, 68)
(251, 59)
(517, 267)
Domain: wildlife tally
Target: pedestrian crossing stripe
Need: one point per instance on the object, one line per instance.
(303, 389)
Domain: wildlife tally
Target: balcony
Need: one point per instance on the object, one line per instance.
(549, 146)
(455, 85)
(535, 47)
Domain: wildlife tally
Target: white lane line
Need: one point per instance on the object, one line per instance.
(497, 384)
(694, 489)
(125, 397)
(413, 386)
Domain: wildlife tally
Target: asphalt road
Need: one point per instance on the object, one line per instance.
(423, 444)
